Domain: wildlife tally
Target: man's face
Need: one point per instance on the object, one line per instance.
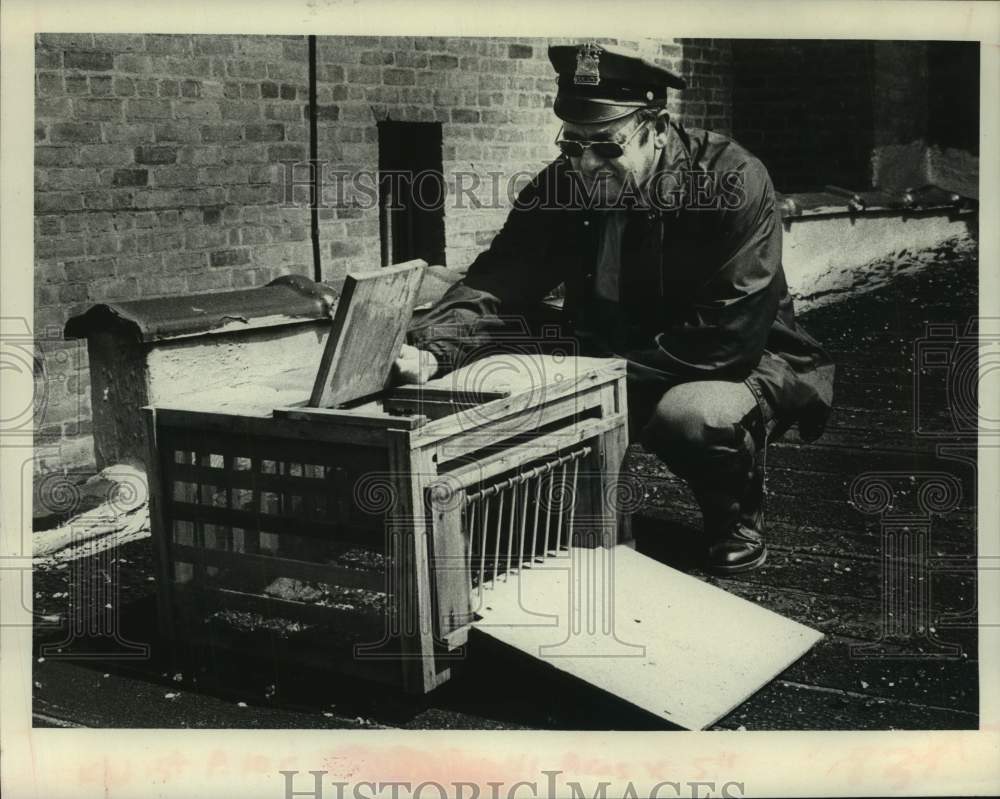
(605, 178)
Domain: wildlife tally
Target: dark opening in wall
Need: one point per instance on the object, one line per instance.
(804, 108)
(411, 192)
(953, 95)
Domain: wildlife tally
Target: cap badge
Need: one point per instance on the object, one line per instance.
(588, 72)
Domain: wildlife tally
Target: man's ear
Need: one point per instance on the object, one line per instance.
(662, 127)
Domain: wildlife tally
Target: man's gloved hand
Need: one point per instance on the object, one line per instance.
(413, 365)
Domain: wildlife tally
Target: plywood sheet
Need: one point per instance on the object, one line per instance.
(368, 328)
(659, 639)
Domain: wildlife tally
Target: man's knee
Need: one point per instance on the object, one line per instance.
(695, 417)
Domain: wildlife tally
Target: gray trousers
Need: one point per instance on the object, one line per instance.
(714, 434)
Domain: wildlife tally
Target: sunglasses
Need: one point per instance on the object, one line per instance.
(574, 148)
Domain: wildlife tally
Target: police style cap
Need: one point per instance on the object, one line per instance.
(598, 83)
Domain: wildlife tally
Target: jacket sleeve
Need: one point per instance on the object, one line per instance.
(516, 271)
(723, 332)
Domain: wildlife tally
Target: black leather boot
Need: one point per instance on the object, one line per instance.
(732, 505)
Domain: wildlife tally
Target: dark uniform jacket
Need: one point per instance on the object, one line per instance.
(702, 290)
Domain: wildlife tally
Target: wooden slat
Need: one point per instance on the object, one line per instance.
(517, 423)
(338, 416)
(368, 329)
(160, 532)
(245, 478)
(263, 522)
(253, 427)
(488, 467)
(450, 576)
(525, 389)
(444, 395)
(271, 567)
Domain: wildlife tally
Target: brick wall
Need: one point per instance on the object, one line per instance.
(707, 65)
(159, 163)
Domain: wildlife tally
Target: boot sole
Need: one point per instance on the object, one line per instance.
(741, 567)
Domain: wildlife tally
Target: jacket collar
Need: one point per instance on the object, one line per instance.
(674, 170)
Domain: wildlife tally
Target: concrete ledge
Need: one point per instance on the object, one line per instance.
(828, 258)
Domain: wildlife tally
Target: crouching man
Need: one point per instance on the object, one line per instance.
(668, 243)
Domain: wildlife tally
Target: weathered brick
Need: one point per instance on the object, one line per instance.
(406, 58)
(65, 41)
(345, 249)
(237, 111)
(155, 154)
(330, 73)
(93, 108)
(52, 107)
(203, 110)
(169, 131)
(269, 89)
(208, 281)
(48, 59)
(284, 112)
(520, 51)
(161, 286)
(212, 45)
(59, 247)
(129, 133)
(46, 155)
(443, 62)
(83, 132)
(108, 200)
(72, 292)
(229, 257)
(146, 87)
(103, 244)
(464, 115)
(133, 63)
(185, 261)
(430, 43)
(49, 83)
(295, 49)
(287, 70)
(68, 179)
(223, 174)
(376, 58)
(286, 152)
(229, 132)
(130, 177)
(147, 109)
(48, 225)
(370, 75)
(168, 43)
(175, 176)
(166, 241)
(120, 42)
(399, 77)
(89, 269)
(246, 69)
(91, 62)
(269, 131)
(167, 88)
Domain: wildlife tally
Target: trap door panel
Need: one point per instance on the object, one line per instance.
(655, 637)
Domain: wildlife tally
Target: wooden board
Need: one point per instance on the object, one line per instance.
(368, 329)
(678, 648)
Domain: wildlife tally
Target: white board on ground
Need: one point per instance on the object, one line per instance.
(657, 638)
